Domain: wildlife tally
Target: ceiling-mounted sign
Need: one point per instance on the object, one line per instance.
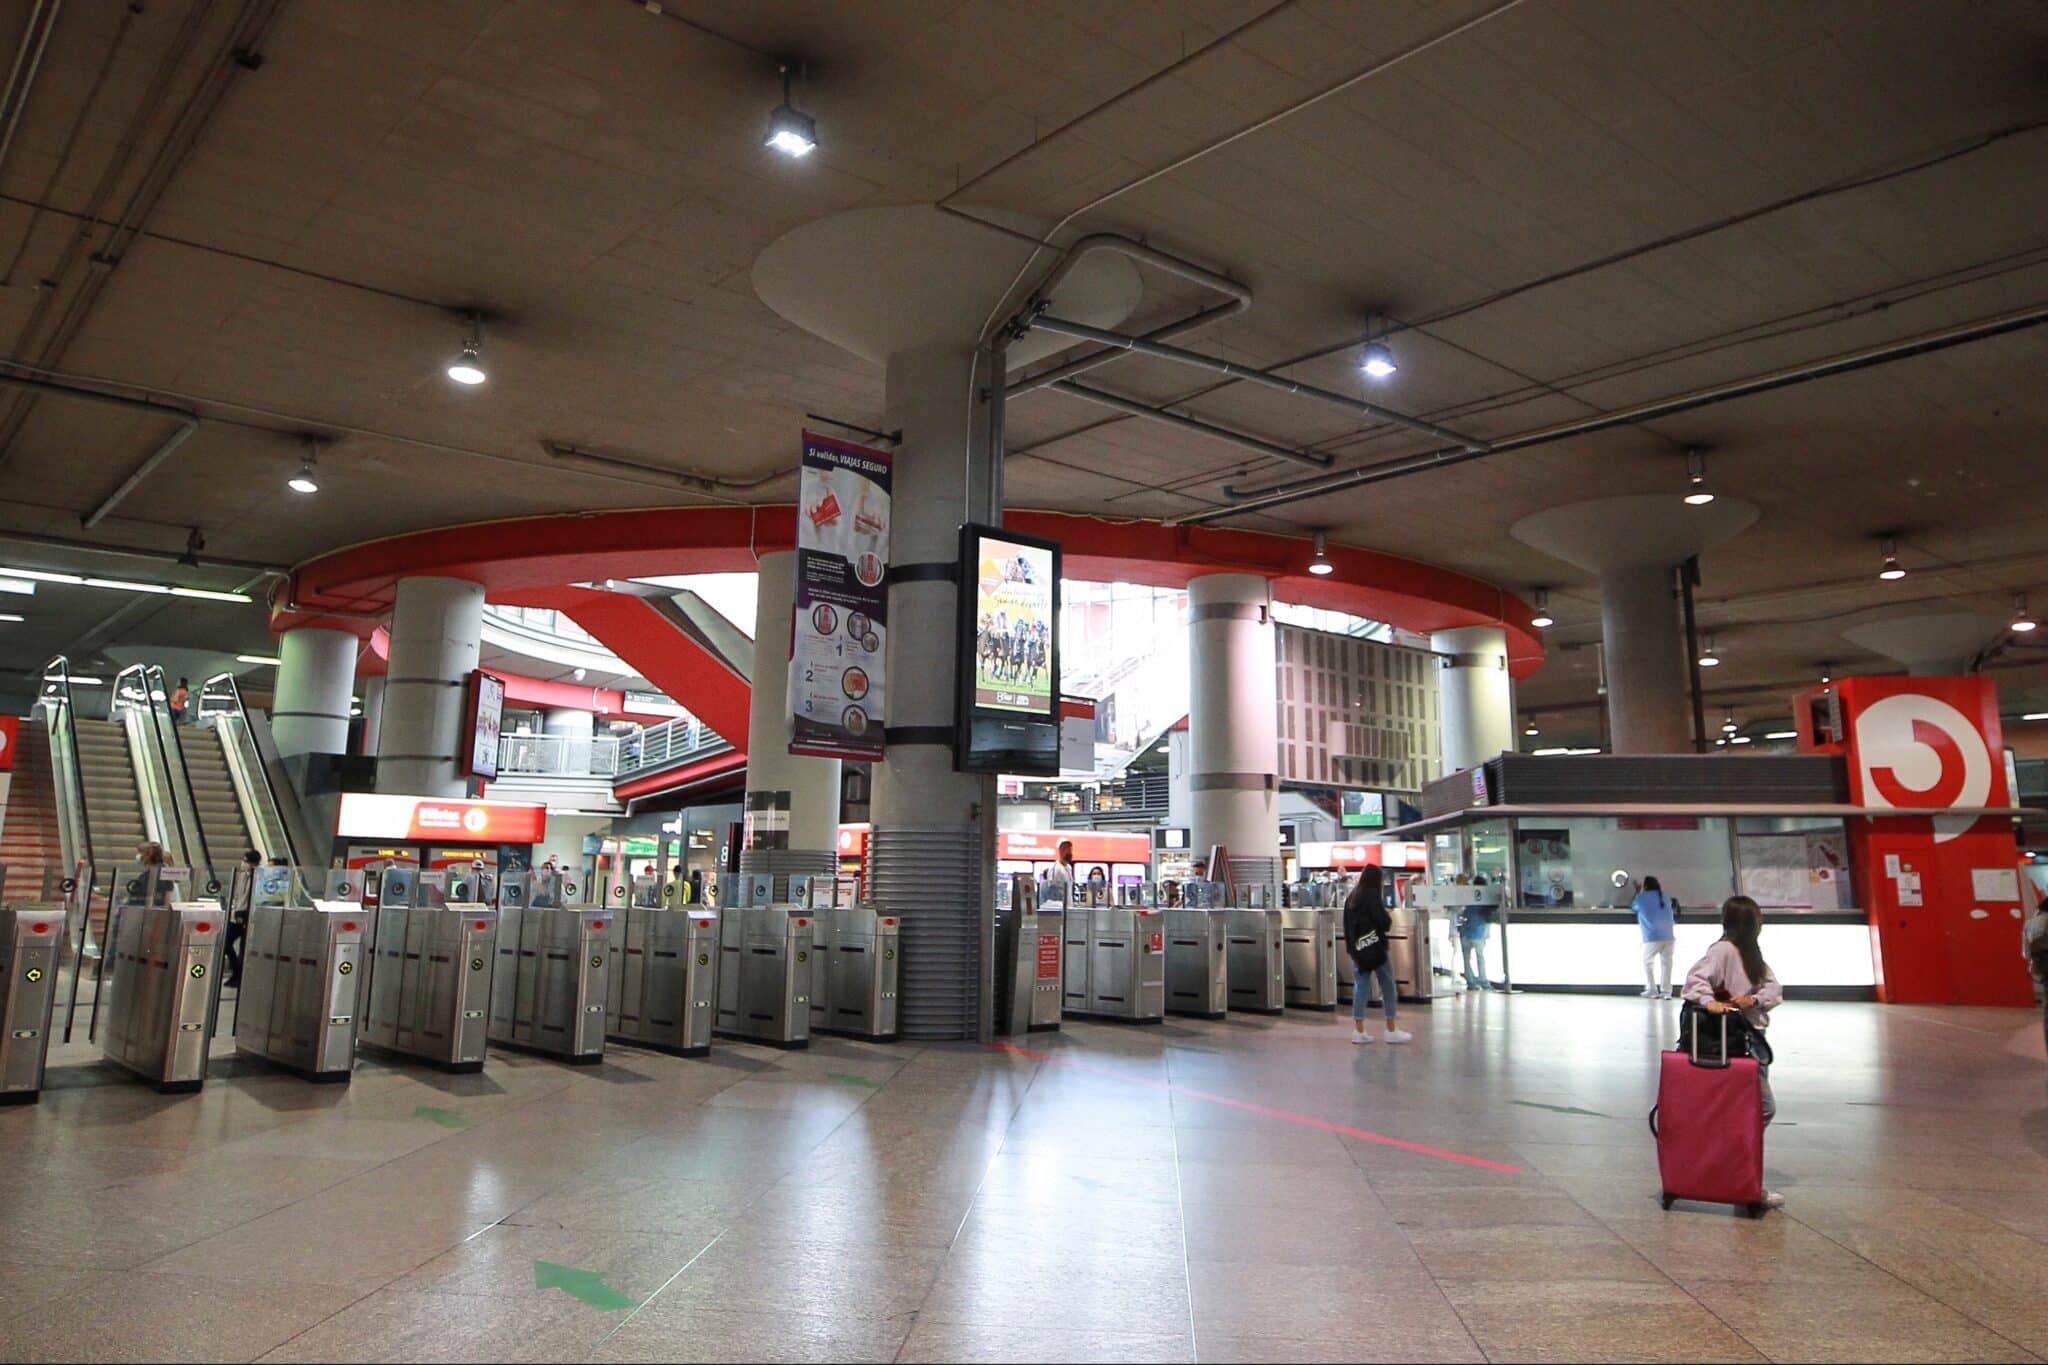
(365, 815)
(837, 698)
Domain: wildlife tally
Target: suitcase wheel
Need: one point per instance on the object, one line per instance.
(1756, 1210)
(1668, 1202)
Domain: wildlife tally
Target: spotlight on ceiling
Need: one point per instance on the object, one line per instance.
(468, 368)
(1378, 361)
(1827, 674)
(1892, 569)
(790, 131)
(1321, 566)
(1542, 620)
(1530, 727)
(2022, 619)
(303, 481)
(1697, 493)
(1728, 726)
(1708, 657)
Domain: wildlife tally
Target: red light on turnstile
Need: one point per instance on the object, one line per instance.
(483, 924)
(204, 926)
(41, 926)
(889, 921)
(802, 923)
(348, 926)
(597, 924)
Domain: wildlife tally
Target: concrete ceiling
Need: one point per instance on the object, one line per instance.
(1563, 209)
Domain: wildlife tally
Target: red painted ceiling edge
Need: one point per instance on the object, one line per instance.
(350, 588)
(654, 784)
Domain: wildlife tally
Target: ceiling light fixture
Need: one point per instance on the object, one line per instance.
(128, 585)
(1378, 362)
(1530, 727)
(1738, 739)
(1827, 674)
(468, 368)
(10, 616)
(1728, 726)
(1708, 658)
(2022, 619)
(1321, 566)
(1782, 734)
(2035, 715)
(1542, 620)
(1892, 569)
(264, 659)
(19, 586)
(1696, 494)
(303, 481)
(791, 131)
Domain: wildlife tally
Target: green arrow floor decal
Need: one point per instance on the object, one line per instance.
(848, 1078)
(587, 1286)
(1562, 1109)
(447, 1118)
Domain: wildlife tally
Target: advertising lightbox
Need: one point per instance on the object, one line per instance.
(1008, 711)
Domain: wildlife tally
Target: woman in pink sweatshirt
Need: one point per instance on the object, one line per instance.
(1734, 976)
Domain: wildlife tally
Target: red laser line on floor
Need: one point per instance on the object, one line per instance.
(1324, 1125)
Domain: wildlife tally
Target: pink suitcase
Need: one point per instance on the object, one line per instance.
(1709, 1123)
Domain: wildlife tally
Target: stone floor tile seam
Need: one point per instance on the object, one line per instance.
(641, 1306)
(1181, 1202)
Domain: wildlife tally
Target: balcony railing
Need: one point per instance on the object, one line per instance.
(670, 744)
(558, 756)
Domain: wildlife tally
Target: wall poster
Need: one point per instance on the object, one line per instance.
(837, 697)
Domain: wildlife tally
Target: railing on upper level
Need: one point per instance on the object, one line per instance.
(670, 744)
(1135, 796)
(558, 756)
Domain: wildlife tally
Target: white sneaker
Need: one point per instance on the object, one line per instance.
(1773, 1200)
(1395, 1035)
(1358, 1037)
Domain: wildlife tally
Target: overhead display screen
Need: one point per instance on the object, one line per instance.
(1364, 810)
(1015, 590)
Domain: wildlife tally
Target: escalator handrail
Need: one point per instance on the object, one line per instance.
(57, 681)
(155, 723)
(188, 801)
(241, 713)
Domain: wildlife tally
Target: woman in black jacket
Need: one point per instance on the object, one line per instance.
(1366, 926)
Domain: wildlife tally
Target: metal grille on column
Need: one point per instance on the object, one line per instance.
(785, 863)
(1356, 712)
(915, 873)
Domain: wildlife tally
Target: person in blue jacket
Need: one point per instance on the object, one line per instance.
(1655, 913)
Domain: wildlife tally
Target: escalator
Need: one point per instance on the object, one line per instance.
(112, 808)
(218, 804)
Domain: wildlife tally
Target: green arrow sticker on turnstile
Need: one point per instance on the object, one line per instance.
(587, 1286)
(199, 969)
(34, 973)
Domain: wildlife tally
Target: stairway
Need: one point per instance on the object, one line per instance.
(213, 792)
(112, 807)
(31, 840)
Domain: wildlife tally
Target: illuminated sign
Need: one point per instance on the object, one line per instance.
(367, 816)
(486, 716)
(1037, 846)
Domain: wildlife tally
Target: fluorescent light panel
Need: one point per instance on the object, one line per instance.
(256, 659)
(128, 585)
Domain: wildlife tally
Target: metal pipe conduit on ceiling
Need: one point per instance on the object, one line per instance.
(1243, 500)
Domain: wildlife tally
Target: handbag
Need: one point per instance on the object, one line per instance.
(1714, 1040)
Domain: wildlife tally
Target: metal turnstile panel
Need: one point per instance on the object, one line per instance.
(769, 999)
(1310, 934)
(858, 962)
(302, 983)
(32, 939)
(548, 989)
(1122, 960)
(1408, 951)
(1197, 963)
(160, 992)
(1048, 958)
(1257, 953)
(664, 978)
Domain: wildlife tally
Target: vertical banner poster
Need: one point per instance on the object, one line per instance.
(837, 701)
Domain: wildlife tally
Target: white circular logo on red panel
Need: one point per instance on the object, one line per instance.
(474, 819)
(1917, 751)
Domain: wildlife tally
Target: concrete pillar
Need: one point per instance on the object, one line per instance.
(316, 672)
(1233, 748)
(932, 849)
(1475, 696)
(1649, 702)
(373, 712)
(436, 629)
(568, 722)
(792, 800)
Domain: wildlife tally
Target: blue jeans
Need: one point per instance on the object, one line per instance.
(1384, 974)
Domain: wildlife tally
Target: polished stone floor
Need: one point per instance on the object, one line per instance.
(1211, 1191)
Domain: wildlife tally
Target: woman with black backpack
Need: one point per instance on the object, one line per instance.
(1366, 926)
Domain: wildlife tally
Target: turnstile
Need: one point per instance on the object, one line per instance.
(663, 991)
(430, 989)
(1114, 963)
(1032, 1004)
(1197, 963)
(764, 974)
(1258, 959)
(303, 968)
(1311, 936)
(31, 949)
(548, 989)
(160, 991)
(854, 972)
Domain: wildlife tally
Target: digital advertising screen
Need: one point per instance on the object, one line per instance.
(1014, 595)
(486, 715)
(1363, 810)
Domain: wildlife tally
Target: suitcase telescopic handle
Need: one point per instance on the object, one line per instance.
(1653, 1121)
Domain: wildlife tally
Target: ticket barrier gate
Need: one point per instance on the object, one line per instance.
(1197, 963)
(1114, 963)
(32, 939)
(1033, 1003)
(663, 989)
(1258, 959)
(1311, 935)
(548, 988)
(160, 992)
(430, 990)
(854, 973)
(764, 974)
(303, 971)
